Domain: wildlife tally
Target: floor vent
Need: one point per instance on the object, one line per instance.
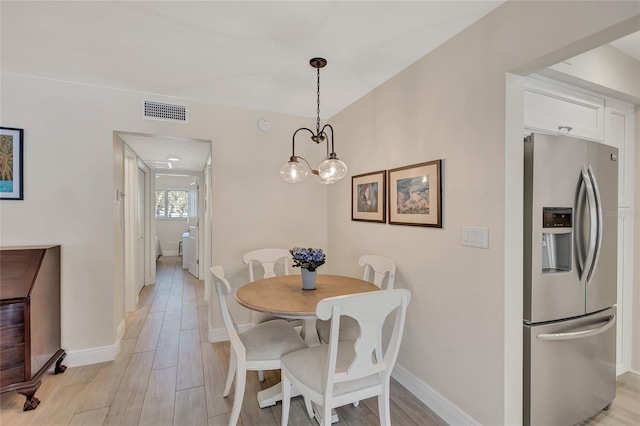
(161, 111)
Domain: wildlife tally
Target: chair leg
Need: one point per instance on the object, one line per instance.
(383, 406)
(286, 398)
(233, 364)
(307, 404)
(241, 378)
(261, 375)
(326, 414)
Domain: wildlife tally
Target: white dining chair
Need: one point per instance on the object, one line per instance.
(378, 270)
(345, 371)
(381, 267)
(266, 258)
(256, 349)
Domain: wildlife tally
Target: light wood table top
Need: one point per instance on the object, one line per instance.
(283, 296)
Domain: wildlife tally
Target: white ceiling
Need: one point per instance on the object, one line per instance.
(629, 45)
(237, 53)
(169, 154)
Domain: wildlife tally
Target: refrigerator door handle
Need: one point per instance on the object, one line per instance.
(579, 334)
(598, 222)
(593, 226)
(579, 241)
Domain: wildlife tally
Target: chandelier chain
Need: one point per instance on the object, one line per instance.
(318, 107)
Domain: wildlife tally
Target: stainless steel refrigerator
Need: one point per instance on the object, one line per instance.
(570, 262)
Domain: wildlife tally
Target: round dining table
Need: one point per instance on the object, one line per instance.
(283, 296)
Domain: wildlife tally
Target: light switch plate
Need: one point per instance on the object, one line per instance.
(475, 236)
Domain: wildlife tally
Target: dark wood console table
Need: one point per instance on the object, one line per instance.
(29, 319)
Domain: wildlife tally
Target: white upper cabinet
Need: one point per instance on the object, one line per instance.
(557, 109)
(619, 133)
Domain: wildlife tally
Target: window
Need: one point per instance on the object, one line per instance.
(172, 203)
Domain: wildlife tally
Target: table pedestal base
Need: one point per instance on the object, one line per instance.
(317, 413)
(270, 396)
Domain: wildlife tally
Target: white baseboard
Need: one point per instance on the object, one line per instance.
(169, 253)
(92, 355)
(120, 332)
(631, 378)
(621, 369)
(220, 334)
(217, 335)
(444, 408)
(96, 355)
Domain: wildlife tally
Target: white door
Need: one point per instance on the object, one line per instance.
(193, 229)
(140, 227)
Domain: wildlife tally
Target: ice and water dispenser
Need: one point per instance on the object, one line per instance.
(557, 237)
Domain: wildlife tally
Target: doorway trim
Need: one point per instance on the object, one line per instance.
(130, 228)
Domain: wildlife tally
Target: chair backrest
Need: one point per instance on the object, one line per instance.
(381, 267)
(223, 289)
(370, 311)
(267, 258)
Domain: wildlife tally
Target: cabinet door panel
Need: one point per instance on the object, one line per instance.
(619, 133)
(557, 109)
(625, 289)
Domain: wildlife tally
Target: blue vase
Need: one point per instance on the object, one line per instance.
(308, 279)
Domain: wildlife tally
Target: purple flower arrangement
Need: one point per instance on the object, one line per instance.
(307, 258)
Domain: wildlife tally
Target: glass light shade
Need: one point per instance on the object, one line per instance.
(294, 171)
(323, 181)
(331, 170)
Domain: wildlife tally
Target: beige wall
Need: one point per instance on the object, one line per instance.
(605, 67)
(635, 321)
(73, 164)
(450, 105)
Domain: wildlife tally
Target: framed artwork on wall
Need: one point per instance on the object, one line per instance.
(415, 195)
(11, 141)
(368, 192)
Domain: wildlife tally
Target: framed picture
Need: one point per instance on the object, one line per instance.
(415, 195)
(368, 192)
(11, 163)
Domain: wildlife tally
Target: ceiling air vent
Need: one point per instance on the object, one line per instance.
(161, 111)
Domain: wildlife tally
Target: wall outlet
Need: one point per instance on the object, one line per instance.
(475, 236)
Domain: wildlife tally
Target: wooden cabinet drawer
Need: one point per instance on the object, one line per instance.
(11, 375)
(12, 336)
(10, 357)
(11, 314)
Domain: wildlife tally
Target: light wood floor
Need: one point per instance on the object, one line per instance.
(625, 410)
(167, 373)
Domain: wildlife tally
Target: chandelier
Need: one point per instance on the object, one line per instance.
(331, 169)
